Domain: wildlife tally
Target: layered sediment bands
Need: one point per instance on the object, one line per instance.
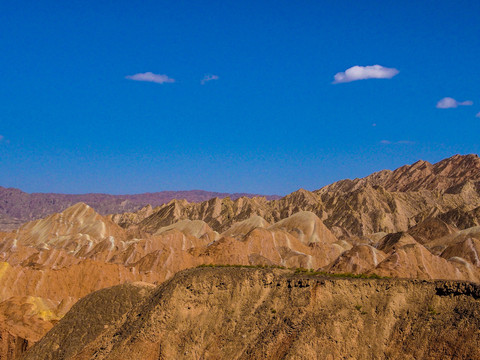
(240, 313)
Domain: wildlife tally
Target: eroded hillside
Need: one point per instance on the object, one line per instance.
(222, 313)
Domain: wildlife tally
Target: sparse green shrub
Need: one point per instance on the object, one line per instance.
(301, 271)
(242, 266)
(431, 310)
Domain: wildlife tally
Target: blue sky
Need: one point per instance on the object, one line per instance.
(270, 121)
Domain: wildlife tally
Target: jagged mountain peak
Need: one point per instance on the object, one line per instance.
(420, 175)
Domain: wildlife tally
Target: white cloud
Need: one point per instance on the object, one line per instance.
(448, 103)
(2, 137)
(365, 72)
(151, 77)
(208, 78)
(478, 115)
(400, 142)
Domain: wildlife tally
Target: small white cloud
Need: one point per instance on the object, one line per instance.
(1, 138)
(208, 77)
(478, 115)
(365, 72)
(400, 142)
(151, 77)
(448, 103)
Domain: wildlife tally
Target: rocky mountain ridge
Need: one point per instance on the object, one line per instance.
(17, 207)
(388, 201)
(421, 175)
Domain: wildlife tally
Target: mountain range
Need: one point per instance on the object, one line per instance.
(17, 207)
(419, 222)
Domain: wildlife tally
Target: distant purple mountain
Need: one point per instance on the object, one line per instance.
(17, 207)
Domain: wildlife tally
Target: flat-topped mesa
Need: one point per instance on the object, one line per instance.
(208, 313)
(421, 233)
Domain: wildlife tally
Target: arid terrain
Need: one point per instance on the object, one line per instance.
(239, 313)
(419, 222)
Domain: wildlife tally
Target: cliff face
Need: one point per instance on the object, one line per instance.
(240, 313)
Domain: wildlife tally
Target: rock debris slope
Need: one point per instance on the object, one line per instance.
(238, 313)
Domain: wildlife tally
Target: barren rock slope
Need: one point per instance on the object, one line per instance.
(241, 313)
